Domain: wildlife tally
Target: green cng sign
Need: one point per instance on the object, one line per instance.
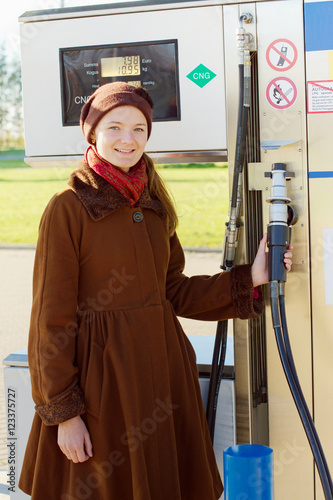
(201, 75)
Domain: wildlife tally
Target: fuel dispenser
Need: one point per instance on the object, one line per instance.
(275, 132)
(181, 68)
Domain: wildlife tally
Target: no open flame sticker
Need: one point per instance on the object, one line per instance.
(281, 92)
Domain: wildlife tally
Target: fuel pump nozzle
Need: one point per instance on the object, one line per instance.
(278, 229)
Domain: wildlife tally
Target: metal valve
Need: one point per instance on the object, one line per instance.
(243, 38)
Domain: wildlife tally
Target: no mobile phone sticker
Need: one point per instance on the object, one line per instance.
(320, 96)
(281, 54)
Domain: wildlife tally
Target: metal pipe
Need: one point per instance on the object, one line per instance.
(235, 207)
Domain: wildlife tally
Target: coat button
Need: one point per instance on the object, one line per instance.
(137, 216)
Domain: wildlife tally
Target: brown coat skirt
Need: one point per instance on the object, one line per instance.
(105, 343)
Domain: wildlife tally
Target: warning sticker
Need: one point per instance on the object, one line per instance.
(281, 54)
(320, 96)
(281, 92)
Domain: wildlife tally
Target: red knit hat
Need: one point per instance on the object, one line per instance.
(110, 96)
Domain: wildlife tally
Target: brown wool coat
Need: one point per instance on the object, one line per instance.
(105, 343)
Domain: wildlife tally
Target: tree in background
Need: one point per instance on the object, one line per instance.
(15, 101)
(3, 78)
(11, 111)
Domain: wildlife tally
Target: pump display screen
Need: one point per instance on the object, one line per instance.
(152, 65)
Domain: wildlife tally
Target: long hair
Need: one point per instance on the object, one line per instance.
(158, 189)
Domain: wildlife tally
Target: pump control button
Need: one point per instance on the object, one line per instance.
(137, 216)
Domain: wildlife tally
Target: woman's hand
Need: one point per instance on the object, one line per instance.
(259, 268)
(74, 440)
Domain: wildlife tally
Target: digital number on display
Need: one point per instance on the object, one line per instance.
(120, 66)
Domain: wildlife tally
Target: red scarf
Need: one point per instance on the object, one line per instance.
(130, 184)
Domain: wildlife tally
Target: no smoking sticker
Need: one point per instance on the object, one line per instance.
(281, 93)
(281, 54)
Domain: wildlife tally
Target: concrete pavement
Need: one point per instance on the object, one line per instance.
(15, 303)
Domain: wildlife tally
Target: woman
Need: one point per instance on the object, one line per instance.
(119, 414)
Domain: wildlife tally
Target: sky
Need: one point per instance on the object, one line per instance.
(9, 25)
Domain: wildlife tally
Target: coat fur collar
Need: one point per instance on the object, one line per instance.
(101, 199)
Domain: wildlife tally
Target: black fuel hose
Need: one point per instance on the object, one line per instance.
(220, 345)
(240, 136)
(240, 150)
(292, 366)
(218, 362)
(283, 344)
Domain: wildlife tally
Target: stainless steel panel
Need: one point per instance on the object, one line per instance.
(283, 139)
(288, 124)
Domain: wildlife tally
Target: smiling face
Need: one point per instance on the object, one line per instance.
(121, 136)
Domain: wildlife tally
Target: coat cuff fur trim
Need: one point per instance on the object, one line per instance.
(67, 406)
(247, 307)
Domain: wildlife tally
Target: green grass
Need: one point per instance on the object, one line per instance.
(14, 163)
(5, 152)
(5, 164)
(201, 196)
(24, 193)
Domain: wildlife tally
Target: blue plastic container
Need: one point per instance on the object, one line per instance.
(248, 472)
